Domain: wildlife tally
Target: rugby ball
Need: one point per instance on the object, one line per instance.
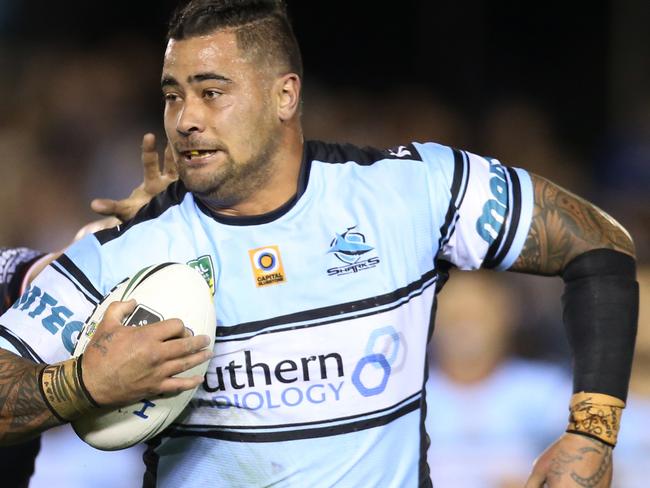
(168, 290)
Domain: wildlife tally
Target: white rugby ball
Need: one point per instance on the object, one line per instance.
(164, 291)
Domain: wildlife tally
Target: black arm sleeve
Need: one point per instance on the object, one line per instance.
(601, 307)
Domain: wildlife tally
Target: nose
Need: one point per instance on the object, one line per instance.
(190, 117)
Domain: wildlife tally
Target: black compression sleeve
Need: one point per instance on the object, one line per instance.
(601, 304)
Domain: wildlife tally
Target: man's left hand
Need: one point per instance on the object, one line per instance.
(573, 461)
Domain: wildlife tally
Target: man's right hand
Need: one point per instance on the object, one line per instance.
(122, 365)
(154, 181)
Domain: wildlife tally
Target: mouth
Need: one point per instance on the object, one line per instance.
(197, 155)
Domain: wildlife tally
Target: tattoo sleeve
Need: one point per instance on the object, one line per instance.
(564, 226)
(23, 412)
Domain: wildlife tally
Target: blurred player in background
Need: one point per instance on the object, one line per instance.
(65, 460)
(325, 260)
(522, 402)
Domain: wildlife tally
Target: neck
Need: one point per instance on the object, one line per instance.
(280, 186)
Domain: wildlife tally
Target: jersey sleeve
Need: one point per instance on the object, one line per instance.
(44, 323)
(486, 210)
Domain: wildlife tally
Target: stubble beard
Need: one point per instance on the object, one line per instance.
(236, 181)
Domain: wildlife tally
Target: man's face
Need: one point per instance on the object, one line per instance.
(220, 116)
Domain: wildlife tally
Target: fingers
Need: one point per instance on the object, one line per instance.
(176, 385)
(177, 348)
(169, 168)
(103, 206)
(180, 365)
(117, 312)
(96, 225)
(150, 162)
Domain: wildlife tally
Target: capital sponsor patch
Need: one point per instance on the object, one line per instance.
(267, 266)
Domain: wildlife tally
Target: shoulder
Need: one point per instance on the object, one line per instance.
(429, 159)
(341, 153)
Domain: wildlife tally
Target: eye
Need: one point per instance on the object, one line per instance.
(211, 94)
(170, 97)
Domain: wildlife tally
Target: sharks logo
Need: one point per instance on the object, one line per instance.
(350, 247)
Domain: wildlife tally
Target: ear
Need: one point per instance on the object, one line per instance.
(288, 96)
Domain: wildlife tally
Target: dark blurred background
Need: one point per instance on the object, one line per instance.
(560, 88)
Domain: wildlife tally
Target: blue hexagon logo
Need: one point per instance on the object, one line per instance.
(378, 361)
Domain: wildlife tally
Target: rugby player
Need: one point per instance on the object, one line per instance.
(324, 260)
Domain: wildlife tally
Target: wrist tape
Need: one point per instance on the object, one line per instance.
(595, 415)
(64, 391)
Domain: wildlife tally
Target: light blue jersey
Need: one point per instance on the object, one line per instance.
(324, 311)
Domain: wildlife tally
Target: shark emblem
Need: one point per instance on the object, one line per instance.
(349, 246)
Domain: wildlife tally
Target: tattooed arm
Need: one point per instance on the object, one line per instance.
(564, 226)
(23, 412)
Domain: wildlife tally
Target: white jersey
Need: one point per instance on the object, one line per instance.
(324, 311)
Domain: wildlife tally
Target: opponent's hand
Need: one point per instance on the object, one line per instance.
(122, 365)
(573, 461)
(154, 182)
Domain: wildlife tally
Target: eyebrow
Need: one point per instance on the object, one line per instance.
(197, 78)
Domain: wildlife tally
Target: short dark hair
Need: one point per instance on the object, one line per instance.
(261, 25)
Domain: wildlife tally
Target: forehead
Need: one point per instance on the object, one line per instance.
(217, 51)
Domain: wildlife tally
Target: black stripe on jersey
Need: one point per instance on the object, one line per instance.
(373, 413)
(458, 190)
(490, 255)
(22, 347)
(151, 458)
(81, 290)
(364, 156)
(424, 472)
(74, 272)
(292, 435)
(331, 311)
(514, 215)
(173, 195)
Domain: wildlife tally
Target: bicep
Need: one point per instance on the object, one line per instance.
(564, 226)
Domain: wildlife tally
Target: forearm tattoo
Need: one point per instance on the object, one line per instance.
(23, 412)
(564, 463)
(564, 226)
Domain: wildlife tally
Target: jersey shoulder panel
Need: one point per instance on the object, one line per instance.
(173, 195)
(345, 153)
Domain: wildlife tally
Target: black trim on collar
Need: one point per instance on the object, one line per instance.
(303, 179)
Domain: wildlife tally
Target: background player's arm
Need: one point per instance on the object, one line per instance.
(564, 226)
(155, 180)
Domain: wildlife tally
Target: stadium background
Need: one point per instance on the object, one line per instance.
(561, 88)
